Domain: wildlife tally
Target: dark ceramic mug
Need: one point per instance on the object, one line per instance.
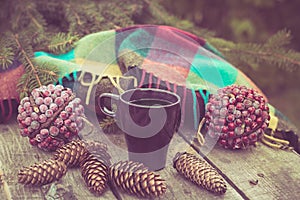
(149, 118)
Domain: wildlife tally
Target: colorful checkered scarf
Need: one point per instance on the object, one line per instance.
(163, 56)
(156, 56)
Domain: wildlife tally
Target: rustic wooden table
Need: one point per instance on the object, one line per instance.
(275, 172)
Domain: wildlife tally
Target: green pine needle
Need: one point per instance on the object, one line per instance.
(273, 52)
(280, 39)
(46, 74)
(6, 57)
(62, 43)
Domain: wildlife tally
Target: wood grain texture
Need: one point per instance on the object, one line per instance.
(177, 186)
(277, 171)
(15, 152)
(258, 172)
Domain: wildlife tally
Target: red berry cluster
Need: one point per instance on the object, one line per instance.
(237, 116)
(50, 117)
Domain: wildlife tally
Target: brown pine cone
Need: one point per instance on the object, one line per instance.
(95, 174)
(72, 153)
(135, 178)
(43, 173)
(108, 125)
(93, 146)
(99, 150)
(199, 172)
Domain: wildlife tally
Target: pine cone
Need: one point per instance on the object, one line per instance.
(99, 150)
(94, 171)
(95, 146)
(43, 173)
(72, 153)
(135, 178)
(199, 172)
(109, 125)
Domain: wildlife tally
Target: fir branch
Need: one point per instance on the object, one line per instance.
(26, 16)
(72, 12)
(273, 52)
(159, 15)
(27, 58)
(35, 21)
(279, 39)
(6, 55)
(47, 73)
(62, 43)
(283, 59)
(52, 73)
(25, 83)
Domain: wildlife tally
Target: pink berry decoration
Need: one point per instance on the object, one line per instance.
(51, 116)
(237, 116)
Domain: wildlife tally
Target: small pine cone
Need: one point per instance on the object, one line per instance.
(199, 172)
(99, 150)
(95, 146)
(43, 173)
(109, 125)
(95, 174)
(135, 178)
(72, 153)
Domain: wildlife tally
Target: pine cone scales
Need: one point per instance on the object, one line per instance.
(43, 173)
(199, 172)
(135, 178)
(95, 146)
(99, 150)
(72, 153)
(102, 155)
(95, 174)
(109, 125)
(76, 151)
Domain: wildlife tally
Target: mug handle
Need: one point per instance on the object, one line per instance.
(104, 109)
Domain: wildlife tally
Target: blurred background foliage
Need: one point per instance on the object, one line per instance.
(252, 21)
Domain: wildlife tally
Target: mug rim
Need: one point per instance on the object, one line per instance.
(150, 106)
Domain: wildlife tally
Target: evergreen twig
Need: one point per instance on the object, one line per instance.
(273, 51)
(33, 68)
(6, 57)
(62, 43)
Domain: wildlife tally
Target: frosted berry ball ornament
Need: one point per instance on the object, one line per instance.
(51, 116)
(237, 116)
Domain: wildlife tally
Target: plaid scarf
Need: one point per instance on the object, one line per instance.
(164, 57)
(156, 56)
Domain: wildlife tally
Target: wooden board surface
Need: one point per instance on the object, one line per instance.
(178, 186)
(258, 172)
(277, 171)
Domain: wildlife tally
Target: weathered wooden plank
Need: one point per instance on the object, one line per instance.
(181, 188)
(16, 152)
(259, 172)
(178, 186)
(277, 171)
